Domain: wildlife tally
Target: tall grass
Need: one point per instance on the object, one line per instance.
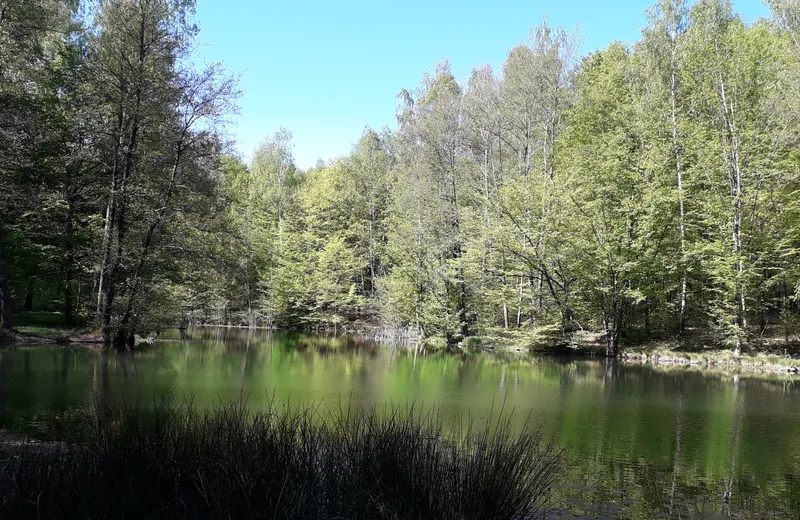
(278, 463)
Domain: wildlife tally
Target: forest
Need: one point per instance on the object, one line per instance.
(642, 191)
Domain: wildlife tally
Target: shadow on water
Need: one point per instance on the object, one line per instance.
(641, 443)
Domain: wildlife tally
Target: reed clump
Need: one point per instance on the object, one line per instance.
(165, 462)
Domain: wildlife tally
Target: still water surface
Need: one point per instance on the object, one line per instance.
(642, 443)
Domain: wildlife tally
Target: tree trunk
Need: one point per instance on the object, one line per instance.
(505, 300)
(69, 303)
(29, 292)
(737, 194)
(612, 317)
(68, 269)
(105, 252)
(110, 286)
(125, 324)
(372, 256)
(111, 216)
(673, 87)
(566, 313)
(5, 291)
(120, 203)
(519, 303)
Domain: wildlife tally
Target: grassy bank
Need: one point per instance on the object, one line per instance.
(51, 324)
(32, 328)
(714, 360)
(170, 462)
(763, 355)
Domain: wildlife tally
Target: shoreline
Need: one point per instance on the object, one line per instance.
(714, 362)
(745, 365)
(26, 339)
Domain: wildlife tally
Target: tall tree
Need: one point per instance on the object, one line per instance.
(537, 94)
(603, 155)
(730, 67)
(153, 105)
(669, 20)
(430, 146)
(370, 166)
(274, 181)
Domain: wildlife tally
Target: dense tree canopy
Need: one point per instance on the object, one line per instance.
(641, 191)
(110, 156)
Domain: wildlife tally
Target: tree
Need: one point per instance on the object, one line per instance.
(602, 154)
(153, 107)
(26, 28)
(428, 210)
(536, 95)
(784, 106)
(272, 196)
(661, 45)
(727, 77)
(370, 167)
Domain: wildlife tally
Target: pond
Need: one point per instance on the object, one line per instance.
(641, 442)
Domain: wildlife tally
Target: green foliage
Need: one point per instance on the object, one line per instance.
(636, 192)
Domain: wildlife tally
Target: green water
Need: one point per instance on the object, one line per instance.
(641, 443)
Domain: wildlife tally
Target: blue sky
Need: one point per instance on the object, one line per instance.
(326, 69)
